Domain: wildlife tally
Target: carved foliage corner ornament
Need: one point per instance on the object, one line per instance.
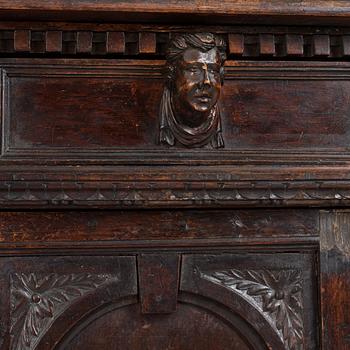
(189, 113)
(276, 294)
(37, 301)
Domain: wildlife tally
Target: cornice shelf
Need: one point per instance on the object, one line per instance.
(210, 12)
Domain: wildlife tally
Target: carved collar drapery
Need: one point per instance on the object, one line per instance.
(171, 130)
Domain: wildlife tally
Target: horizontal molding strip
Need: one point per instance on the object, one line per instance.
(141, 194)
(245, 43)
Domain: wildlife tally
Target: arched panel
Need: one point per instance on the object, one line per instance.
(190, 327)
(237, 307)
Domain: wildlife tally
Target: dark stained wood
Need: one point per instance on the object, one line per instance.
(240, 225)
(241, 11)
(252, 117)
(173, 188)
(115, 42)
(54, 41)
(110, 239)
(51, 295)
(147, 42)
(254, 121)
(272, 293)
(68, 100)
(321, 45)
(346, 45)
(236, 44)
(22, 40)
(267, 44)
(189, 114)
(84, 42)
(279, 43)
(335, 279)
(294, 45)
(189, 328)
(158, 282)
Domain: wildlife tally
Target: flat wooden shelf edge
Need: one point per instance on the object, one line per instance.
(210, 12)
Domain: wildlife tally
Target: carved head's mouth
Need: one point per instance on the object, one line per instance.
(204, 97)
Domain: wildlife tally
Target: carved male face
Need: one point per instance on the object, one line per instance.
(197, 85)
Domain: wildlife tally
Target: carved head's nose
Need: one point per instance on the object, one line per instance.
(206, 79)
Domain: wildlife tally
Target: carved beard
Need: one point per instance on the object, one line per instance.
(171, 130)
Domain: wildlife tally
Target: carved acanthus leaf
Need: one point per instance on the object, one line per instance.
(277, 294)
(36, 301)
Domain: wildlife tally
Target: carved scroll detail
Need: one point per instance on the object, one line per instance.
(276, 294)
(36, 301)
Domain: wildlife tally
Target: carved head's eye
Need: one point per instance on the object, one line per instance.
(194, 70)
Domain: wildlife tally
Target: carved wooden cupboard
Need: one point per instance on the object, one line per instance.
(174, 175)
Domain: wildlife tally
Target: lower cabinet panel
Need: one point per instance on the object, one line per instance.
(268, 298)
(190, 327)
(156, 301)
(43, 298)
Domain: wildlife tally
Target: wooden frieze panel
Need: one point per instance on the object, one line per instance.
(274, 131)
(47, 108)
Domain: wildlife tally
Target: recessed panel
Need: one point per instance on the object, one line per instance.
(110, 110)
(280, 113)
(189, 328)
(94, 111)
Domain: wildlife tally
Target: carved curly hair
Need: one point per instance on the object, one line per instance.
(201, 41)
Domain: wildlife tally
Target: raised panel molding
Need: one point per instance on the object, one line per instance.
(277, 294)
(37, 301)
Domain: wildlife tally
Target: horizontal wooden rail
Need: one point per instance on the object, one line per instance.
(226, 11)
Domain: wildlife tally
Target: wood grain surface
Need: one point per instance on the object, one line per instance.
(108, 239)
(238, 11)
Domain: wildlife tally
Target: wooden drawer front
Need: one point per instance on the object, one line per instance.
(269, 298)
(42, 298)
